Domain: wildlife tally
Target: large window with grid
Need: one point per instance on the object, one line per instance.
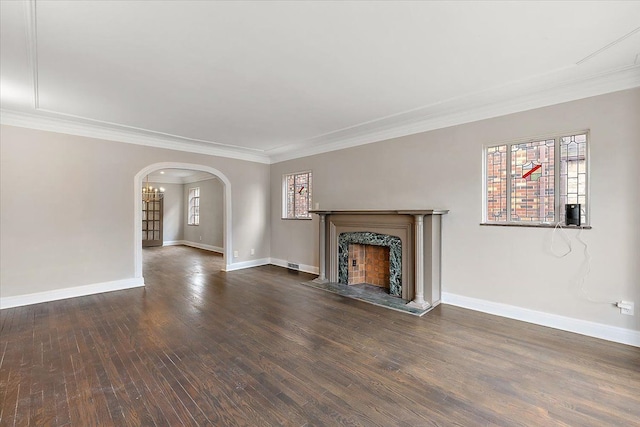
(530, 182)
(194, 206)
(296, 195)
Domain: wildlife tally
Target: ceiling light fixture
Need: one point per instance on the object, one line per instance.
(151, 194)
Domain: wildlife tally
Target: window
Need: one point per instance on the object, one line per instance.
(530, 182)
(194, 206)
(296, 196)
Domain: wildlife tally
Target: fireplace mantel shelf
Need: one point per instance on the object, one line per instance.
(381, 212)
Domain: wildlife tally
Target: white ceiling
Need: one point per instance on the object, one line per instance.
(268, 81)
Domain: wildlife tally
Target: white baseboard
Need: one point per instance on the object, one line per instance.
(78, 291)
(264, 261)
(583, 327)
(303, 267)
(194, 245)
(246, 264)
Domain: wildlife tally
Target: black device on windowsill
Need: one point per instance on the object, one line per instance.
(572, 214)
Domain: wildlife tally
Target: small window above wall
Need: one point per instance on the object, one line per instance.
(194, 206)
(529, 183)
(296, 195)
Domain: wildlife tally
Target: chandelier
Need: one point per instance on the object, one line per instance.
(151, 194)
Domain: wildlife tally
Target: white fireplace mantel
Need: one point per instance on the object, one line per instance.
(419, 231)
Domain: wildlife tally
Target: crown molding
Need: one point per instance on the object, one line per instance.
(199, 177)
(164, 180)
(509, 99)
(111, 133)
(55, 121)
(514, 98)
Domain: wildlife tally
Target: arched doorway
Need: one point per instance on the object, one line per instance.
(138, 208)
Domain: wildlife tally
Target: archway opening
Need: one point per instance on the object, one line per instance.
(226, 221)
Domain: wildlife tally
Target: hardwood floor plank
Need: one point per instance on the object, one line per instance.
(198, 346)
(156, 391)
(8, 382)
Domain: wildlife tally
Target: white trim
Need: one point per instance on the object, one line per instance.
(193, 195)
(202, 246)
(578, 326)
(247, 264)
(312, 269)
(557, 171)
(266, 261)
(211, 248)
(244, 264)
(285, 194)
(77, 291)
(486, 104)
(536, 92)
(199, 177)
(53, 122)
(609, 46)
(32, 47)
(137, 213)
(166, 180)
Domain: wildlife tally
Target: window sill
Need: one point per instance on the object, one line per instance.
(565, 227)
(296, 219)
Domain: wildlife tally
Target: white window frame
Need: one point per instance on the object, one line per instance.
(193, 215)
(559, 208)
(285, 195)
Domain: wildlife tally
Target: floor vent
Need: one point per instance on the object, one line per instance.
(293, 266)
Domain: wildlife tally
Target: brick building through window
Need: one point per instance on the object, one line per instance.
(530, 182)
(296, 195)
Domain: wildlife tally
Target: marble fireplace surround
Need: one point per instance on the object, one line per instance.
(419, 232)
(368, 238)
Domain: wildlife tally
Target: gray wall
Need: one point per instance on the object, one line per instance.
(68, 208)
(67, 205)
(443, 169)
(209, 231)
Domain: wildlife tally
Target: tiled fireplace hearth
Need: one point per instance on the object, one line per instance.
(412, 239)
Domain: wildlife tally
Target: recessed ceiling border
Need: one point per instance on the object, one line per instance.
(31, 29)
(464, 110)
(469, 109)
(521, 96)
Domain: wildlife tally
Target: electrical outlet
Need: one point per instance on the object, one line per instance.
(236, 254)
(253, 251)
(201, 238)
(626, 307)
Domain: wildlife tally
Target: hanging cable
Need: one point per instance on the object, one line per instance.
(566, 239)
(582, 279)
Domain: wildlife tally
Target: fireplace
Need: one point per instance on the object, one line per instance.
(367, 249)
(413, 239)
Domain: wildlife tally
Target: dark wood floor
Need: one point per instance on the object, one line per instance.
(254, 347)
